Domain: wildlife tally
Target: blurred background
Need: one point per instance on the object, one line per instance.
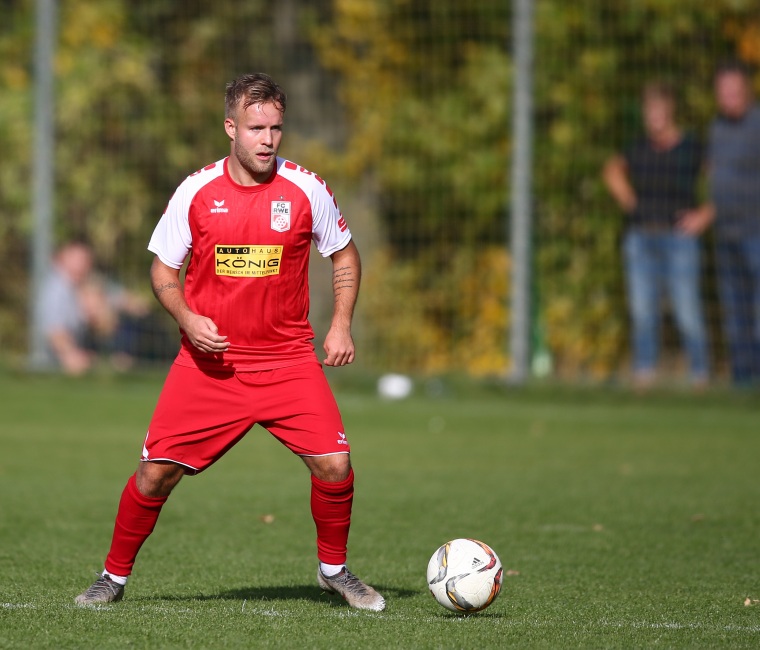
(408, 109)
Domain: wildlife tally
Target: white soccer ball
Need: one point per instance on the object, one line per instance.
(464, 575)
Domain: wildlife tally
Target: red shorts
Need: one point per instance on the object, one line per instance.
(202, 414)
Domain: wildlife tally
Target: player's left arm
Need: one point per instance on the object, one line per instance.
(347, 271)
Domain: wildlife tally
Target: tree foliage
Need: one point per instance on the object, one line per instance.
(406, 101)
(428, 93)
(139, 106)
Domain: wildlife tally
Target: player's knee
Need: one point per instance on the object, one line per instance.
(158, 479)
(333, 468)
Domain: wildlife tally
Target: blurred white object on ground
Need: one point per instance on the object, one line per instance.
(394, 386)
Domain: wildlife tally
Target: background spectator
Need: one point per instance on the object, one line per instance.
(735, 189)
(654, 182)
(734, 180)
(83, 314)
(60, 312)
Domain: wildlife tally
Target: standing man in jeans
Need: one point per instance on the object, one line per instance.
(654, 182)
(734, 181)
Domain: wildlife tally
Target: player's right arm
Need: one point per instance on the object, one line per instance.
(201, 331)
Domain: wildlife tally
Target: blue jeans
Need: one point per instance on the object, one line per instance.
(671, 261)
(739, 287)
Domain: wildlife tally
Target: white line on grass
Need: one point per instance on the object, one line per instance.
(670, 625)
(438, 620)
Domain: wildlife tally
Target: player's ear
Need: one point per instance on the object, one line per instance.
(229, 127)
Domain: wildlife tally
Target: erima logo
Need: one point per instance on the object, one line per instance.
(219, 207)
(476, 562)
(342, 439)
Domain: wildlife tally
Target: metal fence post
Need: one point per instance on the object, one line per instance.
(43, 164)
(521, 188)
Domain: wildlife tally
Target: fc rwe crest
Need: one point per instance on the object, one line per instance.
(280, 216)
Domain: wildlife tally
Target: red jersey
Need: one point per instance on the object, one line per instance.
(249, 259)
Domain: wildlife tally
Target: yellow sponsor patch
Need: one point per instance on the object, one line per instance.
(254, 261)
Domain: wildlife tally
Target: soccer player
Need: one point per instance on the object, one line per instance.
(247, 223)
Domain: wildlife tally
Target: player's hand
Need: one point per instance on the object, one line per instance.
(204, 334)
(339, 347)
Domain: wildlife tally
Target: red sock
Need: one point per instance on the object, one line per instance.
(135, 521)
(331, 509)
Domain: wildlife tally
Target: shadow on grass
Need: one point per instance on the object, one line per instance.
(297, 592)
(446, 615)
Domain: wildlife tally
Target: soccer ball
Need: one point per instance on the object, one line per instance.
(464, 575)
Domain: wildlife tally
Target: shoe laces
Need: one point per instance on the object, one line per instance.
(353, 583)
(103, 585)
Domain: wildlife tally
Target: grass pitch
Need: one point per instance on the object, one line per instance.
(621, 521)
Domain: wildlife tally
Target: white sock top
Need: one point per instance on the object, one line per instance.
(330, 570)
(119, 580)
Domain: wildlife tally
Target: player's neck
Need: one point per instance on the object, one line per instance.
(244, 176)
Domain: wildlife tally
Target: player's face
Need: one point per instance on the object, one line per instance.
(256, 133)
(733, 95)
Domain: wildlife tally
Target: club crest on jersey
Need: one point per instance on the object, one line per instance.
(280, 216)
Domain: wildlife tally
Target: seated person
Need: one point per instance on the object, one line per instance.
(83, 314)
(59, 311)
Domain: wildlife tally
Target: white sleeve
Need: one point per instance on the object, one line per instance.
(329, 229)
(171, 239)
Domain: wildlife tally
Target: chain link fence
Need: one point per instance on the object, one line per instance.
(406, 109)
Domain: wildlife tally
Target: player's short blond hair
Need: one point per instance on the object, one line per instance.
(252, 89)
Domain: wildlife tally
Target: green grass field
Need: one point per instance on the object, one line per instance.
(623, 521)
